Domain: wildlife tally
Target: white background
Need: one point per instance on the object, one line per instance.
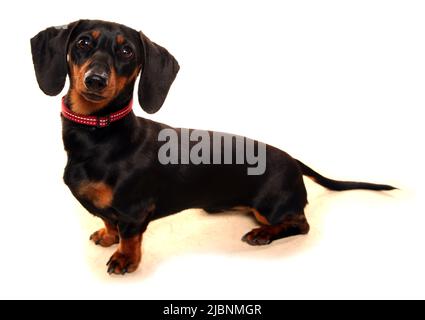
(337, 84)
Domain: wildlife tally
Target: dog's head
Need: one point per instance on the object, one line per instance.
(103, 60)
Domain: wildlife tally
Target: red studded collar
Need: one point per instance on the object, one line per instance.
(95, 121)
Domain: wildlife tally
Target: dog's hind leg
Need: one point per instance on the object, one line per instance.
(280, 214)
(291, 225)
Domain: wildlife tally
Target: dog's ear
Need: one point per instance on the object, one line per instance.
(159, 70)
(49, 50)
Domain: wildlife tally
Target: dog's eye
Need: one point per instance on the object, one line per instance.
(126, 52)
(84, 43)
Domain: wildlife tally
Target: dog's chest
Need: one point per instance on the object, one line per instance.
(98, 193)
(88, 186)
(87, 174)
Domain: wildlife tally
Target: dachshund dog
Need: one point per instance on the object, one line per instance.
(114, 166)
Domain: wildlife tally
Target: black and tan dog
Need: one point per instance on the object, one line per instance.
(113, 168)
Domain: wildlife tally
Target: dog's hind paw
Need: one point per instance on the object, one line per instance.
(257, 237)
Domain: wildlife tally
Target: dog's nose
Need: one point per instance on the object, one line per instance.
(96, 82)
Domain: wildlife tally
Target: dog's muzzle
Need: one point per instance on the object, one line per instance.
(97, 77)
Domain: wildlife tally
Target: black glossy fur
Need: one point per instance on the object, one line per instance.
(124, 156)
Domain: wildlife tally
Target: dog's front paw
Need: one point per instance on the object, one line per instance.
(105, 239)
(121, 263)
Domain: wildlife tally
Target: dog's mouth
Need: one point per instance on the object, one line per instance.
(93, 97)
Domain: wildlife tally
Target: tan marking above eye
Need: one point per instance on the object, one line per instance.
(120, 39)
(95, 34)
(99, 193)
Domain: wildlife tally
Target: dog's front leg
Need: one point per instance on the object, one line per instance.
(106, 236)
(129, 253)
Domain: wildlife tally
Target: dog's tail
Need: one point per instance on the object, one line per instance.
(340, 185)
